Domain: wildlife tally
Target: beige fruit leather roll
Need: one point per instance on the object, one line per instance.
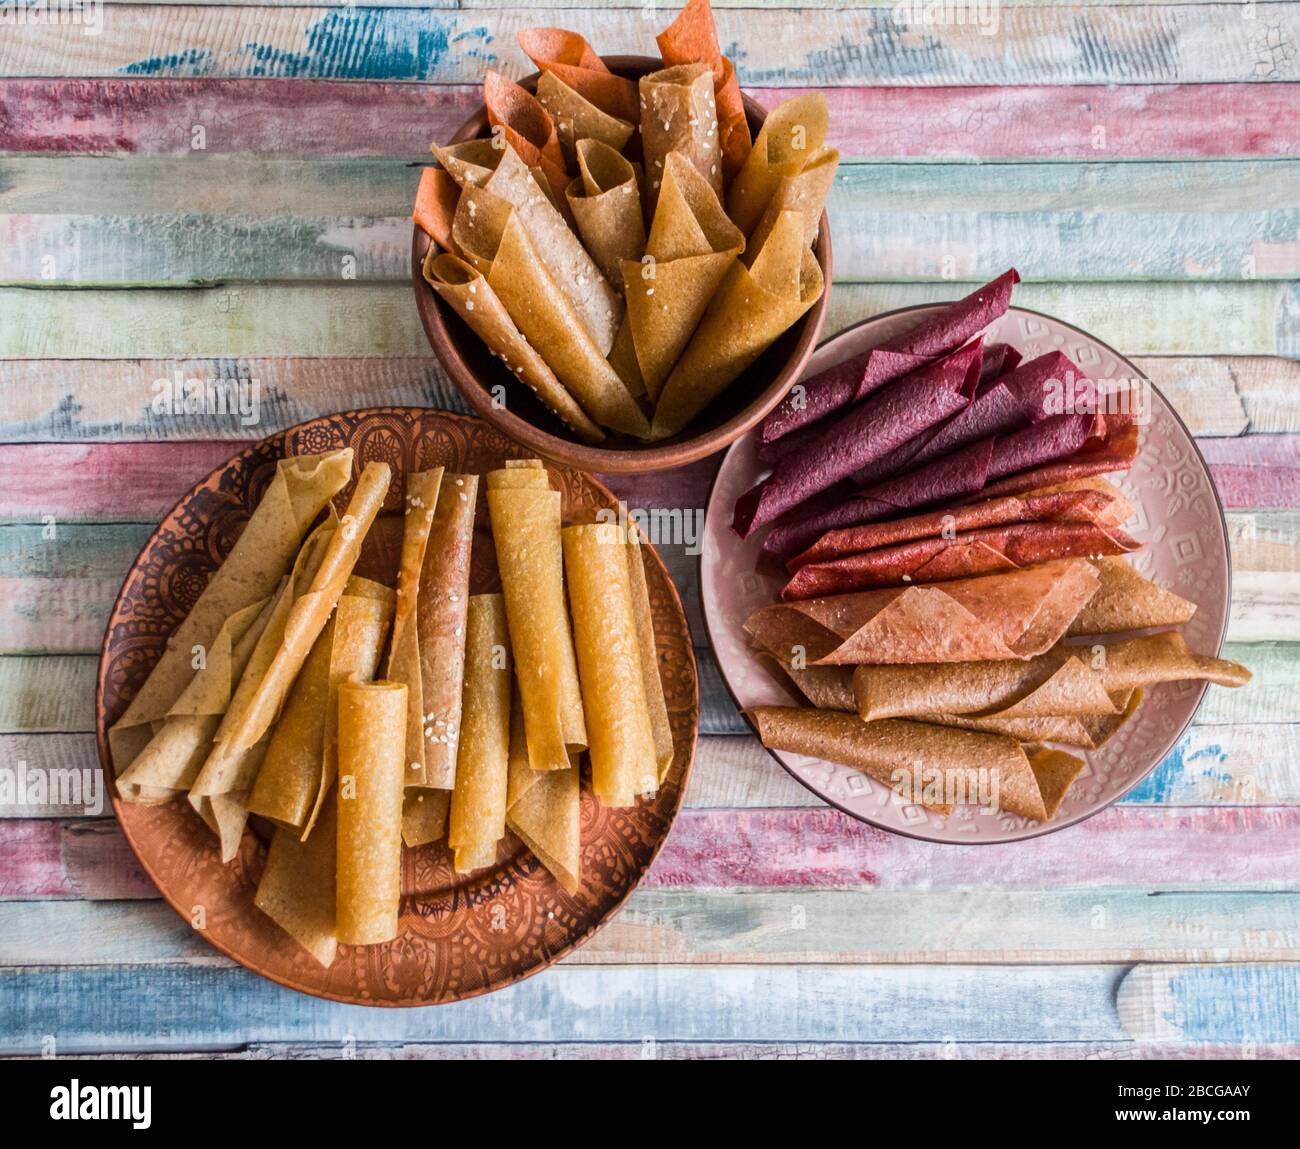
(279, 657)
(478, 803)
(606, 203)
(622, 748)
(1127, 601)
(679, 114)
(301, 757)
(467, 292)
(692, 245)
(753, 307)
(578, 119)
(521, 123)
(805, 192)
(656, 703)
(471, 162)
(543, 807)
(597, 305)
(297, 888)
(170, 762)
(926, 764)
(490, 234)
(260, 558)
(792, 135)
(526, 530)
(372, 752)
(1082, 681)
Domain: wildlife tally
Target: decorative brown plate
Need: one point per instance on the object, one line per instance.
(459, 935)
(1178, 519)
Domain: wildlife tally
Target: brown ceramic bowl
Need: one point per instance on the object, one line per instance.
(474, 370)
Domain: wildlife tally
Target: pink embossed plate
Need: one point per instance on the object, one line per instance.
(1178, 518)
(460, 934)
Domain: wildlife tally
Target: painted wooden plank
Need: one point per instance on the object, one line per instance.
(63, 399)
(372, 118)
(1245, 1003)
(85, 1009)
(50, 693)
(1249, 318)
(166, 221)
(1051, 44)
(1259, 467)
(768, 927)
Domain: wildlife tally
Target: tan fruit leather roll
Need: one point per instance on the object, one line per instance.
(568, 57)
(478, 803)
(220, 789)
(174, 755)
(792, 135)
(605, 201)
(691, 246)
(577, 119)
(260, 697)
(297, 887)
(424, 816)
(299, 766)
(1082, 681)
(372, 751)
(678, 114)
(1015, 615)
(1055, 772)
(546, 815)
(527, 128)
(752, 308)
(893, 751)
(420, 502)
(467, 293)
(260, 558)
(805, 192)
(440, 622)
(470, 162)
(526, 530)
(597, 305)
(1127, 601)
(693, 39)
(492, 237)
(622, 748)
(656, 703)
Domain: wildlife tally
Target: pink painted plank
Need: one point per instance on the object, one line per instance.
(141, 481)
(1252, 848)
(371, 118)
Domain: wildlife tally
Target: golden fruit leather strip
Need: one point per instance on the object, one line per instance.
(790, 137)
(297, 887)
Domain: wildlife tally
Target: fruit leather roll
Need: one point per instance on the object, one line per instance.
(543, 807)
(526, 531)
(568, 57)
(372, 745)
(999, 359)
(605, 201)
(297, 887)
(1014, 616)
(573, 271)
(656, 703)
(301, 758)
(969, 553)
(467, 292)
(926, 764)
(435, 206)
(270, 541)
(170, 762)
(490, 233)
(752, 308)
(279, 657)
(793, 133)
(854, 379)
(692, 245)
(1079, 681)
(693, 39)
(1125, 600)
(577, 119)
(622, 749)
(678, 114)
(478, 803)
(805, 192)
(528, 130)
(1115, 452)
(887, 420)
(470, 162)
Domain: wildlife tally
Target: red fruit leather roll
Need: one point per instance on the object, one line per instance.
(1115, 454)
(941, 333)
(872, 429)
(999, 358)
(1079, 506)
(981, 552)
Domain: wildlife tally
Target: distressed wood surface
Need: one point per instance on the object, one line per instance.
(376, 118)
(1047, 44)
